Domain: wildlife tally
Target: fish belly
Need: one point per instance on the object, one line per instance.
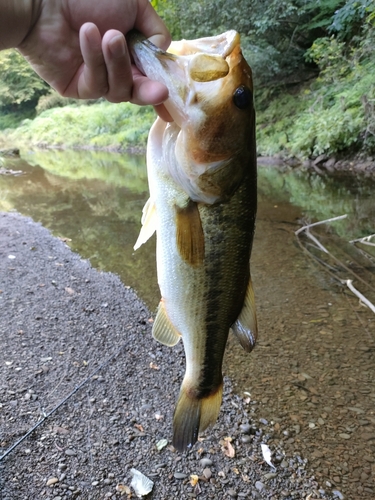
(202, 301)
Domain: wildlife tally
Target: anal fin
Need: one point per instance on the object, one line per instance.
(163, 331)
(148, 223)
(245, 328)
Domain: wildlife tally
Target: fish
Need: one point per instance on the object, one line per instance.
(202, 177)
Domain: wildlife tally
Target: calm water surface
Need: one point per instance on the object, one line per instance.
(95, 199)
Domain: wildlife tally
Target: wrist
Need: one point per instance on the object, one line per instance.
(17, 18)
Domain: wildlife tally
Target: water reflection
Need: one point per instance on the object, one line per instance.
(96, 199)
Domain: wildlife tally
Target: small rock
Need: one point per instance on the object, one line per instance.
(270, 475)
(70, 453)
(338, 494)
(246, 439)
(343, 435)
(179, 475)
(245, 428)
(259, 485)
(232, 493)
(52, 481)
(207, 473)
(205, 462)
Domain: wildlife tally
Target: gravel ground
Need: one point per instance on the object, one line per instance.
(309, 383)
(61, 323)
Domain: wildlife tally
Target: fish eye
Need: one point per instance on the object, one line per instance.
(242, 97)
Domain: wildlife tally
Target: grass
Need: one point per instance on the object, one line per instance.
(99, 126)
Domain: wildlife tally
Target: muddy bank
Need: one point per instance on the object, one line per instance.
(325, 165)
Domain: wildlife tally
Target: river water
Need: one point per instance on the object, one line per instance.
(312, 372)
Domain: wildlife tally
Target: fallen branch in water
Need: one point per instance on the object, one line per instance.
(361, 297)
(319, 246)
(304, 228)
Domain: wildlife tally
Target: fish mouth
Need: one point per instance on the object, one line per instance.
(185, 67)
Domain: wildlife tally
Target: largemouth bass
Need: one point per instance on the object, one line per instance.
(202, 205)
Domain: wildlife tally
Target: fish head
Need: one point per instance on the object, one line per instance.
(211, 102)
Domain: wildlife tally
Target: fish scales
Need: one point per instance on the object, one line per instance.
(202, 180)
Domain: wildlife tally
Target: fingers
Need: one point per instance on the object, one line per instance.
(91, 80)
(117, 60)
(150, 24)
(147, 91)
(107, 70)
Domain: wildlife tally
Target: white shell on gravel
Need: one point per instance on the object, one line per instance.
(141, 484)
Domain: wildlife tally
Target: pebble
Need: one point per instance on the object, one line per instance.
(232, 493)
(70, 453)
(207, 473)
(270, 475)
(160, 466)
(343, 435)
(259, 485)
(245, 428)
(246, 439)
(205, 462)
(179, 475)
(52, 481)
(338, 494)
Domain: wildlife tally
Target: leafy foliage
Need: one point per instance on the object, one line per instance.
(19, 85)
(275, 34)
(348, 20)
(335, 113)
(101, 125)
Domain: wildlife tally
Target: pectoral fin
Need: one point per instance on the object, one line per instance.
(189, 233)
(245, 328)
(148, 223)
(163, 331)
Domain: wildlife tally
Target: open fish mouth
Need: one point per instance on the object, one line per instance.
(185, 67)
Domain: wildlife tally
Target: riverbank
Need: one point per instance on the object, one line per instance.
(61, 321)
(309, 381)
(325, 165)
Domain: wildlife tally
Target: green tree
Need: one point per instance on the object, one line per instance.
(20, 86)
(275, 34)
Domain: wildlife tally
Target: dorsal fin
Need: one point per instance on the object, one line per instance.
(163, 331)
(245, 328)
(148, 223)
(189, 233)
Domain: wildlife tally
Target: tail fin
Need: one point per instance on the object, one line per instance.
(193, 415)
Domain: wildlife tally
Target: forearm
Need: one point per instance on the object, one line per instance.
(16, 19)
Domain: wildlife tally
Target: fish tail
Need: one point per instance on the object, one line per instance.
(193, 415)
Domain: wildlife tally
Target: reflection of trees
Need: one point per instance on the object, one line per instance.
(112, 168)
(323, 197)
(103, 218)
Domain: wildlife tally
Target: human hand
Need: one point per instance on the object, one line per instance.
(79, 48)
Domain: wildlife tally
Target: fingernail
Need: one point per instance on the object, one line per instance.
(117, 46)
